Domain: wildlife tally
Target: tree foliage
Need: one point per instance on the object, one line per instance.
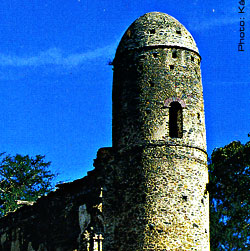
(22, 178)
(229, 171)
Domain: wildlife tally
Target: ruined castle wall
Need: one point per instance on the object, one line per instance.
(63, 220)
(148, 192)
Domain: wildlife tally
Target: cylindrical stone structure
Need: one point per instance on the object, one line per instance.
(155, 197)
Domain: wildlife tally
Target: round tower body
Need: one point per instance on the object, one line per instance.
(160, 166)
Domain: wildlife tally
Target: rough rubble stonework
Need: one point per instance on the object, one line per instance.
(148, 191)
(157, 182)
(65, 220)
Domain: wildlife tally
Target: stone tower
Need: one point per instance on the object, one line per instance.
(155, 195)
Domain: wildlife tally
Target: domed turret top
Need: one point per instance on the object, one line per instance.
(156, 29)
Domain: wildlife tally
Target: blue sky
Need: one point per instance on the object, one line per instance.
(56, 84)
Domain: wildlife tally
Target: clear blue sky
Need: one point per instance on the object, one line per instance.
(55, 83)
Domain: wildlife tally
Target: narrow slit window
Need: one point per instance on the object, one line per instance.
(152, 31)
(175, 120)
(151, 84)
(142, 57)
(155, 54)
(174, 54)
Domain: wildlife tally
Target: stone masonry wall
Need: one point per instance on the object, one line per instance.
(156, 199)
(158, 183)
(149, 191)
(67, 219)
(144, 85)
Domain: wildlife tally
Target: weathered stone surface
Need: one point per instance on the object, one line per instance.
(148, 191)
(154, 29)
(57, 221)
(156, 198)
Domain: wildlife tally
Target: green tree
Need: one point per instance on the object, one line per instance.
(229, 171)
(22, 179)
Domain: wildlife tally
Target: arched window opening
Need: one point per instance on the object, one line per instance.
(175, 120)
(174, 54)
